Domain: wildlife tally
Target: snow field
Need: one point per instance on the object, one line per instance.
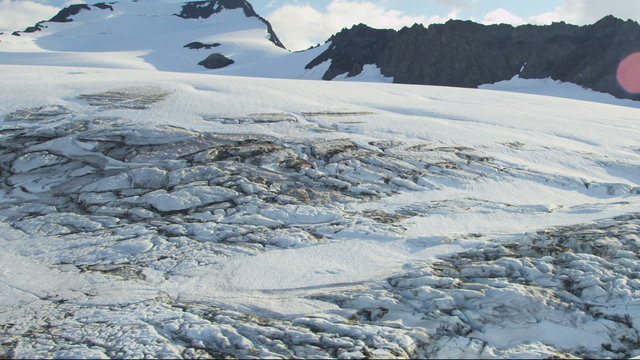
(200, 214)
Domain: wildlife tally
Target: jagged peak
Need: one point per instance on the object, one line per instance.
(608, 21)
(612, 21)
(204, 9)
(356, 29)
(190, 10)
(484, 54)
(360, 26)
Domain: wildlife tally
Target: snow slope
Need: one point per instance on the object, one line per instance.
(160, 214)
(550, 87)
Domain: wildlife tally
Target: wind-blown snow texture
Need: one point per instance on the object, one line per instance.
(156, 214)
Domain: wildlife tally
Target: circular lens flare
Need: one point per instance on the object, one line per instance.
(629, 73)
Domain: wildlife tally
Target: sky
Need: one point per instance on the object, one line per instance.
(304, 23)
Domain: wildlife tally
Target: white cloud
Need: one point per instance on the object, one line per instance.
(579, 12)
(589, 11)
(19, 14)
(455, 4)
(583, 12)
(502, 16)
(546, 18)
(301, 26)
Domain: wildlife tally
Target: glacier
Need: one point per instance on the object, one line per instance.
(159, 214)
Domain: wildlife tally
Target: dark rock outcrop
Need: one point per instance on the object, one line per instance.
(198, 45)
(204, 9)
(104, 6)
(352, 49)
(467, 54)
(64, 16)
(216, 61)
(30, 29)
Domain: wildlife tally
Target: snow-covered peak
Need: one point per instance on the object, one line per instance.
(204, 9)
(145, 35)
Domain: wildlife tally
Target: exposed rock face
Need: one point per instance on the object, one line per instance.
(204, 9)
(196, 45)
(352, 49)
(64, 16)
(467, 54)
(103, 6)
(216, 61)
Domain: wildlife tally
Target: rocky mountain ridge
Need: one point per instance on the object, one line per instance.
(467, 54)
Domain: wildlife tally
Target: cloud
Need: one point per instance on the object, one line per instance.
(581, 12)
(546, 18)
(502, 16)
(455, 4)
(301, 26)
(19, 14)
(589, 11)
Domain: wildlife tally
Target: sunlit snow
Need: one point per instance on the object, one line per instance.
(412, 215)
(150, 207)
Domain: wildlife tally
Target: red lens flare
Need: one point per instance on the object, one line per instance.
(629, 73)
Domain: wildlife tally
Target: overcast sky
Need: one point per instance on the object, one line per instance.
(302, 23)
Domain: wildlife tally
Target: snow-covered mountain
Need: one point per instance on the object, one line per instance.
(151, 34)
(227, 37)
(169, 215)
